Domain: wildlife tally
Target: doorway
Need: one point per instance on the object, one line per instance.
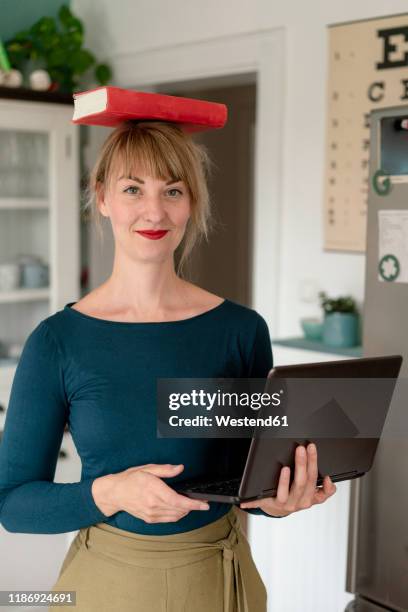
(223, 265)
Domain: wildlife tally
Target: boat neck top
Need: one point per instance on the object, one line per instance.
(98, 377)
(147, 323)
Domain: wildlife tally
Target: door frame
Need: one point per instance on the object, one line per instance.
(260, 53)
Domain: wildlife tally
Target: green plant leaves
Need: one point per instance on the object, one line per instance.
(340, 304)
(103, 73)
(81, 60)
(22, 36)
(18, 52)
(43, 28)
(59, 44)
(69, 21)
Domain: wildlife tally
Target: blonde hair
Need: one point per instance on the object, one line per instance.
(164, 151)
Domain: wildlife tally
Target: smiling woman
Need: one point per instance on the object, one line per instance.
(95, 364)
(165, 156)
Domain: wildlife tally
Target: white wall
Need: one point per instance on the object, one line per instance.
(123, 27)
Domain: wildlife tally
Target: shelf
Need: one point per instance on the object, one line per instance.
(24, 295)
(24, 93)
(311, 345)
(24, 203)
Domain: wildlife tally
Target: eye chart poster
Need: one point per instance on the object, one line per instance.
(367, 70)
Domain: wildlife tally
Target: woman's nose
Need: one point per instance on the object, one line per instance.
(154, 209)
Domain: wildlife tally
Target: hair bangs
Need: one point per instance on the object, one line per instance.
(152, 154)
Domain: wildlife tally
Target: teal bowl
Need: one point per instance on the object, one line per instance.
(312, 329)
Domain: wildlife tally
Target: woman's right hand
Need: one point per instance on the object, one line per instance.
(140, 491)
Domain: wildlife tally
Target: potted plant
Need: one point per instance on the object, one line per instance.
(341, 319)
(56, 46)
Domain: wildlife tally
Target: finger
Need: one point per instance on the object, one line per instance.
(250, 504)
(165, 517)
(164, 507)
(328, 486)
(169, 497)
(172, 518)
(168, 511)
(282, 493)
(312, 473)
(300, 477)
(163, 470)
(324, 492)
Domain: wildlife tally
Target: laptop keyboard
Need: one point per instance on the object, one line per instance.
(225, 487)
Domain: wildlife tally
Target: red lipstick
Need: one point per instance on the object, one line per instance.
(152, 234)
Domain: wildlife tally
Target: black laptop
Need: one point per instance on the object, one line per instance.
(254, 464)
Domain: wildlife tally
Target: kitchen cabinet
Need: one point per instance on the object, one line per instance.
(39, 218)
(39, 222)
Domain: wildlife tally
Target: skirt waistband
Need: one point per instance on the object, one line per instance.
(242, 582)
(209, 531)
(163, 551)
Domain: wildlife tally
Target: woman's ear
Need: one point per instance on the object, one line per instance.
(100, 199)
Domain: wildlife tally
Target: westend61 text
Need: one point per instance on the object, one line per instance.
(227, 421)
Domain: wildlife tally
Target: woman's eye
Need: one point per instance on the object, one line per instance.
(174, 192)
(131, 187)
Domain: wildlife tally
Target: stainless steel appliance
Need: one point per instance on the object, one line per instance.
(377, 569)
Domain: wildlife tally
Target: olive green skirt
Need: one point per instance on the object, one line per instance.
(209, 569)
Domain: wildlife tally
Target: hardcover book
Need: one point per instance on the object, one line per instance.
(108, 106)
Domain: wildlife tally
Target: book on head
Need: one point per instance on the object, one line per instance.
(109, 106)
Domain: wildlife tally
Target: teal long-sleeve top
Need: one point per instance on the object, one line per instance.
(99, 377)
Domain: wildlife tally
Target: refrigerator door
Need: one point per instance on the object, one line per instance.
(381, 568)
(378, 538)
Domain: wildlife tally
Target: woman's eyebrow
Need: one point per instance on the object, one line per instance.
(139, 180)
(132, 178)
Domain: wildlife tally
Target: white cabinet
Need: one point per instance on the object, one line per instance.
(39, 215)
(39, 218)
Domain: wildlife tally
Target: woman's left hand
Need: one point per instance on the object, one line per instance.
(303, 493)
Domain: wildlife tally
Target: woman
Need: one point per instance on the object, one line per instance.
(94, 365)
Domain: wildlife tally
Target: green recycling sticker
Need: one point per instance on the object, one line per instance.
(389, 267)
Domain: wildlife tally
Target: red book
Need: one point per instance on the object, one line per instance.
(109, 106)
